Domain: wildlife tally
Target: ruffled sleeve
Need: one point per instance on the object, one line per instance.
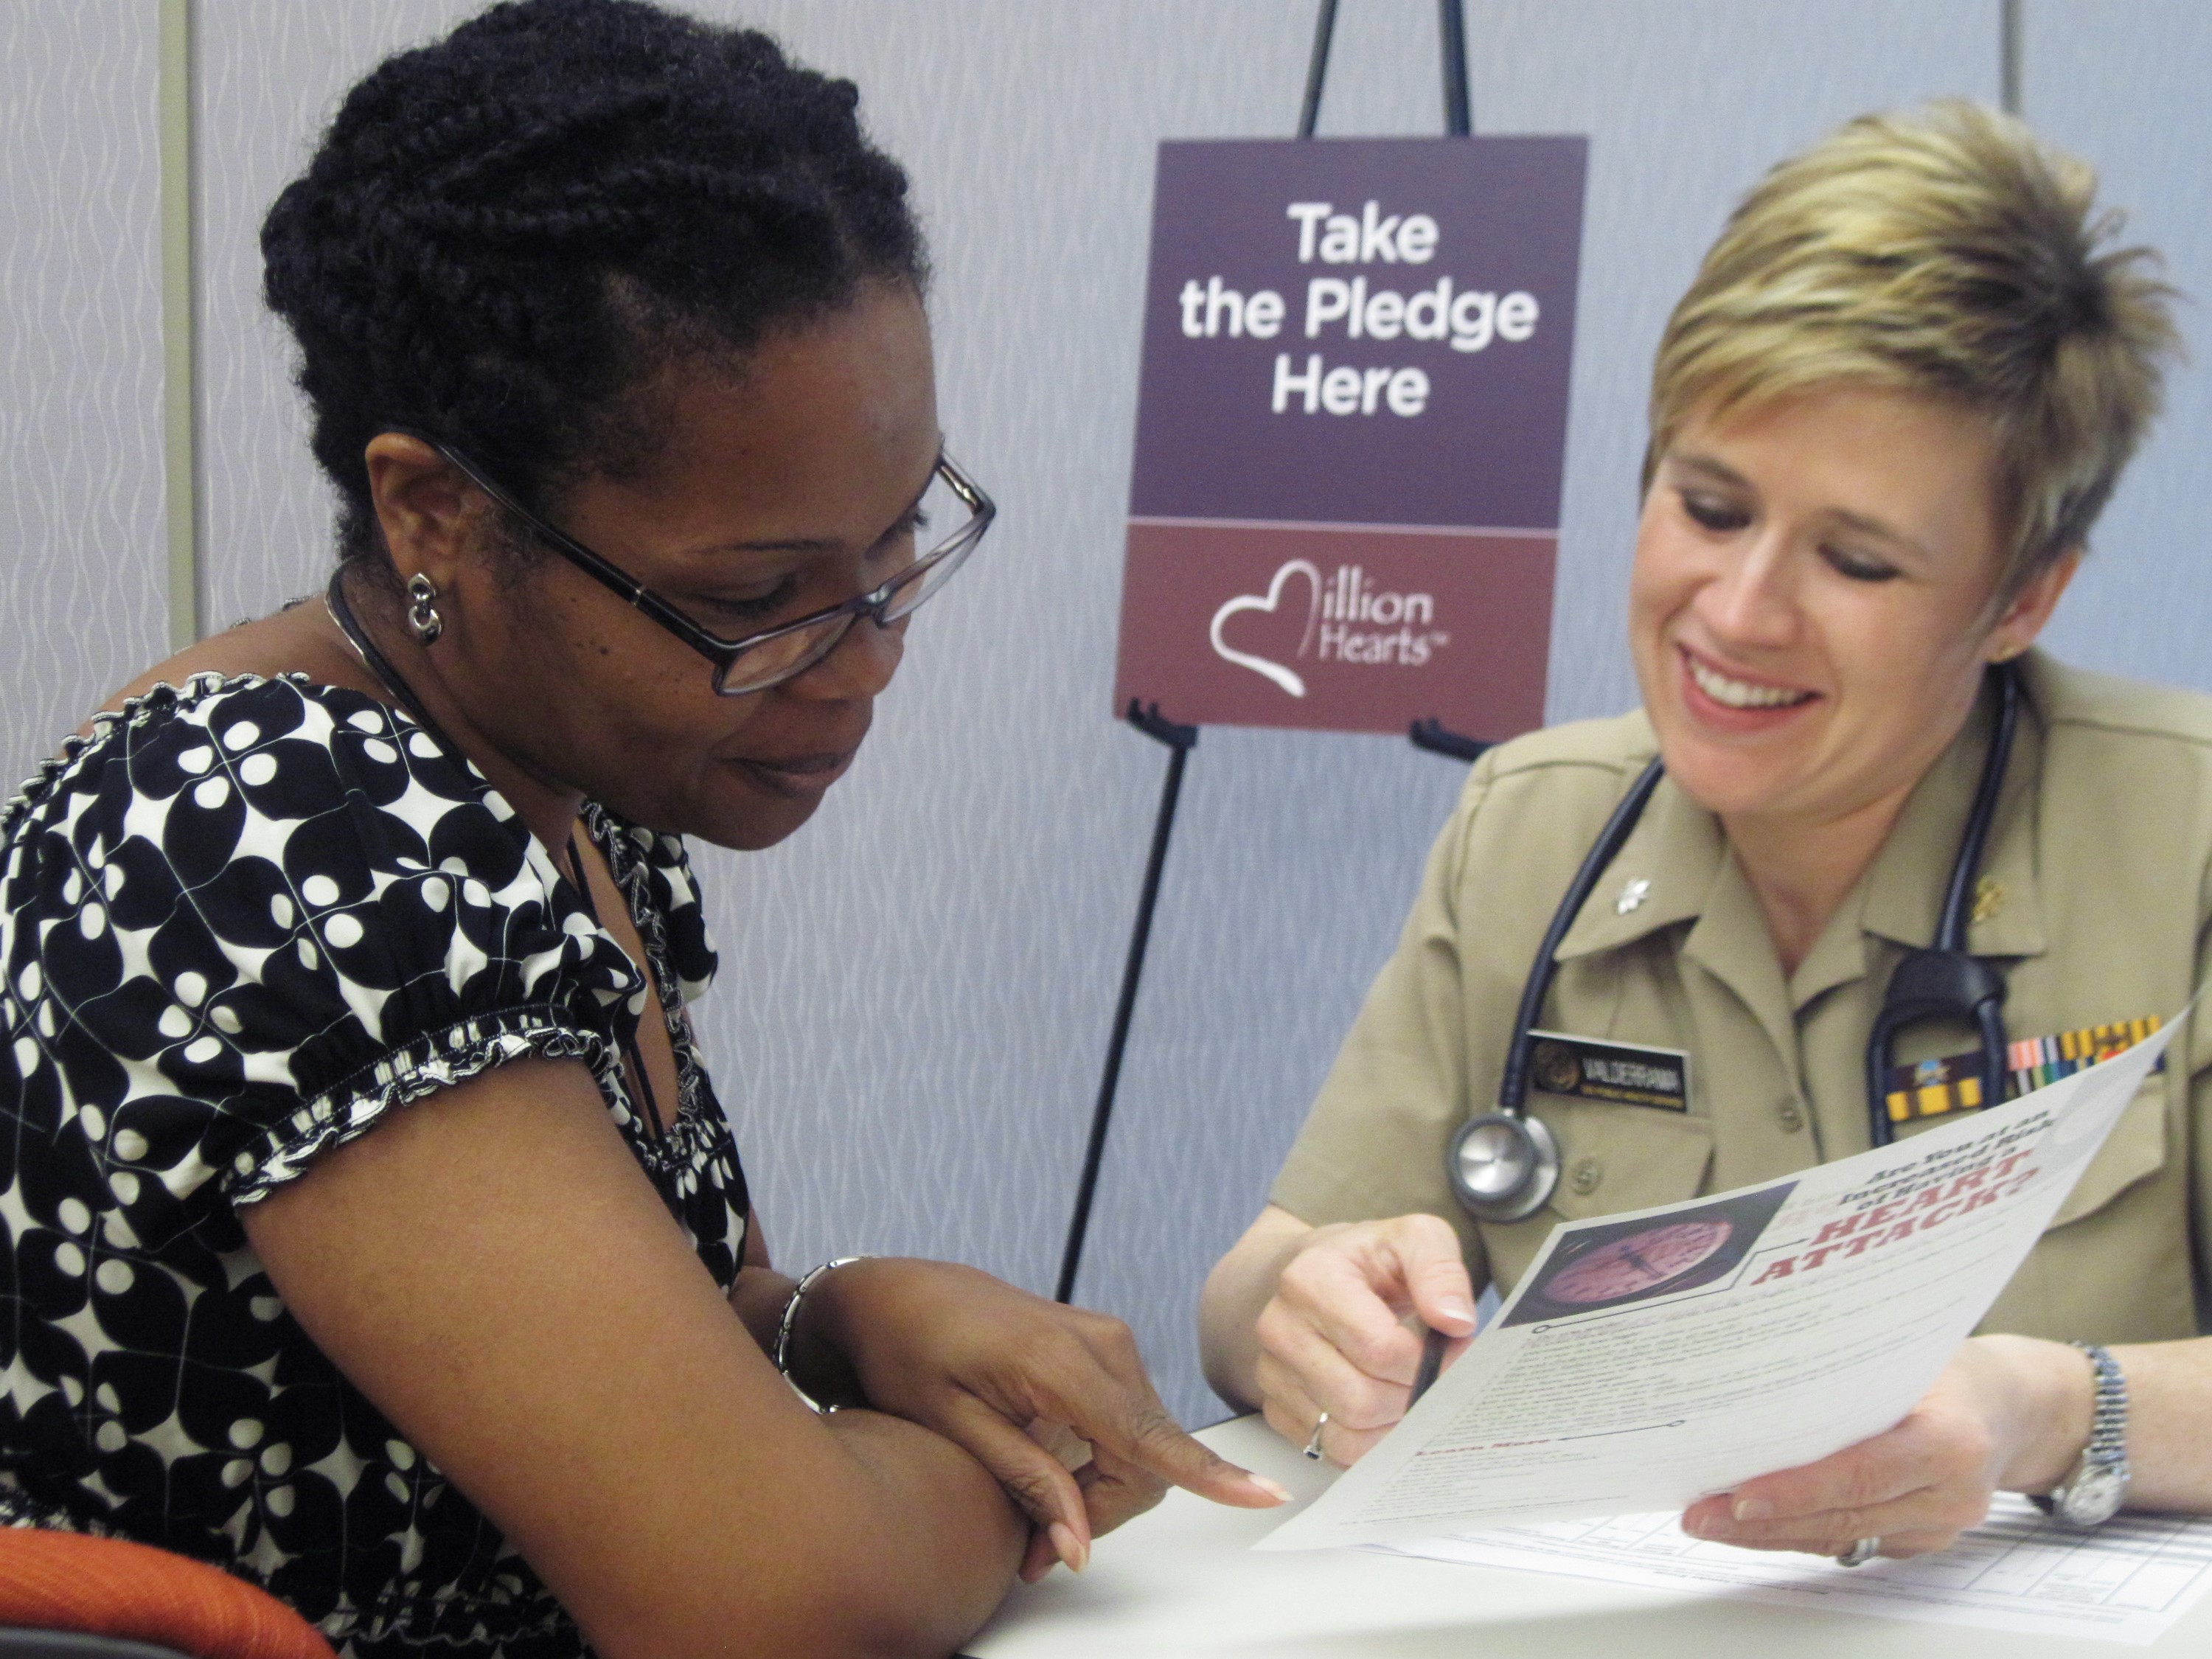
(247, 920)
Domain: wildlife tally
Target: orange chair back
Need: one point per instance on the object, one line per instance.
(70, 1581)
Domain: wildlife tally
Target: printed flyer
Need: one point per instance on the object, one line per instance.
(1648, 1358)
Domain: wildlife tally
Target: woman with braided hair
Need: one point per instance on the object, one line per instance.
(374, 1230)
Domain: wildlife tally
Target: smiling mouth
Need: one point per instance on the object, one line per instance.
(1741, 694)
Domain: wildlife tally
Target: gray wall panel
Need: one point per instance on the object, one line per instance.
(2122, 83)
(270, 75)
(82, 565)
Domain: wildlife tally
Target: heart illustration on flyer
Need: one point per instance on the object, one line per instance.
(1270, 604)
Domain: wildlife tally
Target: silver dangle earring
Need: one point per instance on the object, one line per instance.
(423, 621)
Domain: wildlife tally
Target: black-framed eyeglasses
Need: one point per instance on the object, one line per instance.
(758, 661)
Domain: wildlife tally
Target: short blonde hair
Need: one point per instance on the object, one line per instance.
(1944, 252)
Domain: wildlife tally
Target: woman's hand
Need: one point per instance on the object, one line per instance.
(1342, 1332)
(1052, 1400)
(2008, 1413)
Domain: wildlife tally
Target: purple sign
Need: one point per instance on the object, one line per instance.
(1350, 433)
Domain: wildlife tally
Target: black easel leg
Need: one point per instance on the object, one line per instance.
(1180, 740)
(1439, 739)
(1317, 67)
(1451, 28)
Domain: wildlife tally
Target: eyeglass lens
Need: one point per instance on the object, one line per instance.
(946, 534)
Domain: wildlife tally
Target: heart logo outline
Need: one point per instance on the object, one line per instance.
(1287, 679)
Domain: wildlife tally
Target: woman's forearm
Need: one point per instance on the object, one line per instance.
(975, 1535)
(2169, 1423)
(762, 1297)
(759, 1297)
(960, 1538)
(563, 1356)
(1228, 1307)
(2169, 1414)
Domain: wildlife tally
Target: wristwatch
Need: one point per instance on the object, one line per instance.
(2098, 1486)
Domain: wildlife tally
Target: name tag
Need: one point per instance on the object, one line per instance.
(1627, 1073)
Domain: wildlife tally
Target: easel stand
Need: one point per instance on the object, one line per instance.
(1180, 740)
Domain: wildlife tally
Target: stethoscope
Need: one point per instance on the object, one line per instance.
(1504, 1165)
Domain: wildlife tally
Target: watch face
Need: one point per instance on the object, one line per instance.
(1640, 1264)
(2093, 1496)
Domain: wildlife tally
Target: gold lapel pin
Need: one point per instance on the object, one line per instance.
(1989, 899)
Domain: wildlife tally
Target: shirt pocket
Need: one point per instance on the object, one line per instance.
(2134, 1151)
(1615, 1158)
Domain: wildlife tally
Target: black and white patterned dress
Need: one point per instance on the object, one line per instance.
(240, 924)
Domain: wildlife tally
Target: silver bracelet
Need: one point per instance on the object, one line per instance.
(789, 1323)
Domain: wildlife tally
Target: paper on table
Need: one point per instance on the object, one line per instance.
(1647, 1358)
(2126, 1582)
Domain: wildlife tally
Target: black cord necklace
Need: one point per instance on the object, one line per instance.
(630, 1051)
(335, 602)
(373, 658)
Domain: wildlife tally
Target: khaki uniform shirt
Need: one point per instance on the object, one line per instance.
(2094, 903)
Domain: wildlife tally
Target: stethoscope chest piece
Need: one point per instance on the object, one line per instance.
(1504, 1165)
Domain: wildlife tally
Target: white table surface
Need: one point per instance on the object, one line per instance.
(1184, 1582)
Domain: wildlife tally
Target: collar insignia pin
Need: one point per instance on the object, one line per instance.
(1631, 897)
(1989, 899)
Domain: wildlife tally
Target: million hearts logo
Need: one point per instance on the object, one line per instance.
(1346, 619)
(1343, 628)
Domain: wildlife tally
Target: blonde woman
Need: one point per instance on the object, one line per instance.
(1883, 421)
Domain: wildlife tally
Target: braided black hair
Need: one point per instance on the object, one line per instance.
(504, 233)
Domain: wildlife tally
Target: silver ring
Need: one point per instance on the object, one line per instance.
(1313, 1446)
(1860, 1553)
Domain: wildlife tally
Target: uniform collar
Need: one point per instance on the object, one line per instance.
(1904, 889)
(1664, 874)
(1679, 851)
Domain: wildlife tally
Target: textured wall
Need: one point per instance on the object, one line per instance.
(269, 74)
(82, 556)
(2122, 83)
(916, 990)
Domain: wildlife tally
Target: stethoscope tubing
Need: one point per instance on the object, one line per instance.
(1942, 980)
(1513, 1086)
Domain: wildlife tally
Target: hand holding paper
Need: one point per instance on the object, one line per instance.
(1647, 1359)
(1335, 1335)
(1916, 1487)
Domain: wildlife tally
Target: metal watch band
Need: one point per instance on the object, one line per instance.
(2108, 1429)
(789, 1323)
(2097, 1487)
